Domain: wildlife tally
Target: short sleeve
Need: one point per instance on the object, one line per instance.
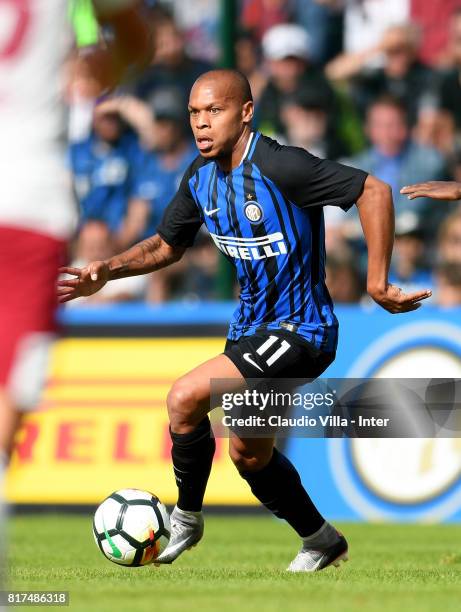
(181, 220)
(309, 181)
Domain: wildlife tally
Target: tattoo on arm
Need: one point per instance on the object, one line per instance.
(147, 256)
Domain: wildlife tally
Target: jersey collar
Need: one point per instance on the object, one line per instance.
(247, 148)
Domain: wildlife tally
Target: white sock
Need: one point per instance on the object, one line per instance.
(325, 536)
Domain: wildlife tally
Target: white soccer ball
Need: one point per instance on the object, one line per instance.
(131, 527)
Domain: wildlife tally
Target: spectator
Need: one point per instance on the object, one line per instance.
(168, 150)
(396, 159)
(402, 74)
(171, 65)
(192, 279)
(448, 268)
(324, 23)
(433, 18)
(306, 125)
(343, 278)
(95, 243)
(172, 154)
(455, 168)
(449, 239)
(435, 128)
(286, 50)
(259, 16)
(409, 270)
(448, 287)
(450, 86)
(198, 21)
(365, 22)
(248, 60)
(106, 166)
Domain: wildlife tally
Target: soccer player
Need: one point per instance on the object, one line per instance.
(438, 190)
(262, 204)
(36, 206)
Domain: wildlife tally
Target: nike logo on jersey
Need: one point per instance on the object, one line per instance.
(247, 357)
(254, 249)
(211, 212)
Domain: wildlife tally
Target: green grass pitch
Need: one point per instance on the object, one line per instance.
(239, 566)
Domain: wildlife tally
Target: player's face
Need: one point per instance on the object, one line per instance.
(217, 118)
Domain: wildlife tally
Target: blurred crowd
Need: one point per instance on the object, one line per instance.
(375, 84)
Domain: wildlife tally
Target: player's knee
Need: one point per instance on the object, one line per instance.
(246, 461)
(182, 407)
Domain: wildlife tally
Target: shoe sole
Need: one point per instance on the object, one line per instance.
(337, 562)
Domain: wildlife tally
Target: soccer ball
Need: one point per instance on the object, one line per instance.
(131, 527)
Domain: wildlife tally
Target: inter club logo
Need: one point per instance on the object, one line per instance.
(253, 211)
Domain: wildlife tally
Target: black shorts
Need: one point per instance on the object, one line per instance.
(277, 354)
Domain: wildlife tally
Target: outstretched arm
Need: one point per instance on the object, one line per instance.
(376, 212)
(438, 190)
(147, 256)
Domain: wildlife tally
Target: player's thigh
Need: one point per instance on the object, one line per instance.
(250, 454)
(28, 272)
(189, 398)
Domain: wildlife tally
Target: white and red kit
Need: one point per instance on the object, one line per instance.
(37, 210)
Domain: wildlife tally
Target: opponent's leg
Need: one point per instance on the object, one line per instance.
(193, 449)
(274, 480)
(10, 419)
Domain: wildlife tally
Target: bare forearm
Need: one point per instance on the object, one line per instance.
(376, 211)
(139, 116)
(136, 113)
(147, 256)
(348, 65)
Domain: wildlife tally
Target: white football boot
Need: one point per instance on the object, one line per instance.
(325, 547)
(186, 532)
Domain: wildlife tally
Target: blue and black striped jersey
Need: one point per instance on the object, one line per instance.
(266, 217)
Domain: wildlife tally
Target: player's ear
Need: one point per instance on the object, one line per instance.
(248, 112)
